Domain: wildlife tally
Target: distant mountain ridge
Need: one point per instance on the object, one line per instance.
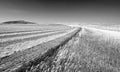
(18, 22)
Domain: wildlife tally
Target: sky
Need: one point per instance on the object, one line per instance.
(61, 11)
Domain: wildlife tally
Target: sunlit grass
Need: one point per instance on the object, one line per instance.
(85, 53)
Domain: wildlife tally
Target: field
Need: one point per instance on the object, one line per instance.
(12, 28)
(91, 50)
(15, 38)
(51, 49)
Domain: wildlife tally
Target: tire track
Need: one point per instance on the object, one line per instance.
(23, 37)
(28, 38)
(47, 58)
(23, 34)
(15, 60)
(3, 33)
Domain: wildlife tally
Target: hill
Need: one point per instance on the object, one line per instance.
(18, 22)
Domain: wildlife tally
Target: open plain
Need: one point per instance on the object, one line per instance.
(70, 49)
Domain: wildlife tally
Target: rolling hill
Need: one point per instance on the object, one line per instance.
(18, 22)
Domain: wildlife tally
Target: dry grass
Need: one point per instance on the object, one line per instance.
(23, 28)
(33, 54)
(86, 52)
(16, 37)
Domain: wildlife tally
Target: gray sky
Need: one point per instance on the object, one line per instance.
(61, 11)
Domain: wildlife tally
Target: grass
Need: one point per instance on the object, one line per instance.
(22, 37)
(9, 42)
(22, 34)
(83, 53)
(86, 52)
(32, 54)
(24, 43)
(22, 28)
